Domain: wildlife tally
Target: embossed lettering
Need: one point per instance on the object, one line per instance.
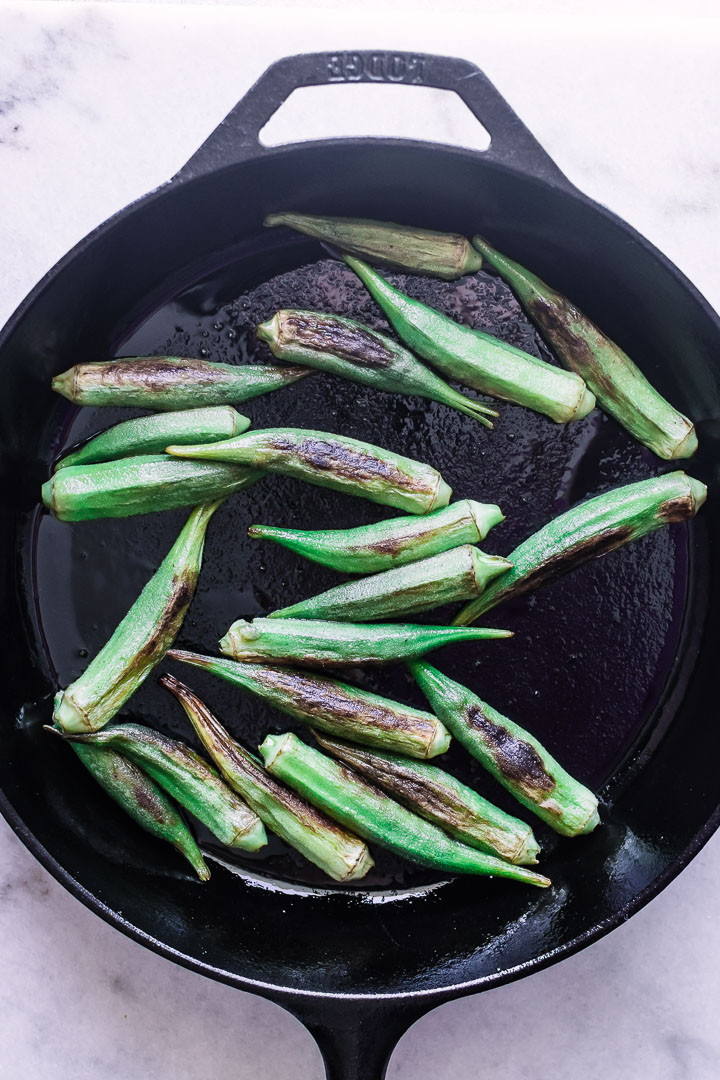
(375, 67)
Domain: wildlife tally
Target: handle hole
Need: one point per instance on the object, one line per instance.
(365, 109)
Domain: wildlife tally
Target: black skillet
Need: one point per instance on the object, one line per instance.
(614, 667)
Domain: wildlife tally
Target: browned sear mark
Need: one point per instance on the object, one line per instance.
(326, 334)
(347, 462)
(318, 698)
(170, 618)
(159, 373)
(678, 509)
(563, 562)
(516, 759)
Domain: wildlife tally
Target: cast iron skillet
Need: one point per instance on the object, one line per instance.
(614, 667)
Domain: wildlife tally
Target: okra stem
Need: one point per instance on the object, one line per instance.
(340, 854)
(442, 799)
(477, 359)
(151, 434)
(189, 779)
(421, 251)
(454, 575)
(330, 644)
(591, 529)
(170, 382)
(140, 485)
(387, 544)
(332, 461)
(619, 385)
(514, 757)
(141, 639)
(143, 800)
(332, 706)
(372, 814)
(354, 351)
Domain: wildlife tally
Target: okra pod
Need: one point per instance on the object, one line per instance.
(140, 485)
(141, 639)
(340, 854)
(442, 799)
(619, 385)
(316, 643)
(454, 575)
(353, 351)
(372, 814)
(509, 753)
(332, 706)
(187, 778)
(332, 461)
(421, 251)
(143, 800)
(477, 359)
(151, 434)
(591, 529)
(386, 544)
(166, 383)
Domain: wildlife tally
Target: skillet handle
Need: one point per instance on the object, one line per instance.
(237, 137)
(356, 1036)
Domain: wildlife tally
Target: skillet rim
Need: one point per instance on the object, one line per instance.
(437, 995)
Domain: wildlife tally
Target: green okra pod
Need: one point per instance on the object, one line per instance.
(143, 800)
(591, 529)
(140, 485)
(141, 639)
(316, 643)
(439, 797)
(477, 359)
(454, 575)
(151, 434)
(332, 461)
(619, 385)
(386, 544)
(421, 251)
(187, 778)
(372, 814)
(514, 757)
(170, 382)
(332, 706)
(354, 351)
(340, 854)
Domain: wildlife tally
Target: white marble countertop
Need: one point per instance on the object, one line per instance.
(90, 101)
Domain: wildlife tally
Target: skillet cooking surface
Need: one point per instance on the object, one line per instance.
(591, 656)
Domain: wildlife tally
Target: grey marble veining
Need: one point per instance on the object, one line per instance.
(98, 104)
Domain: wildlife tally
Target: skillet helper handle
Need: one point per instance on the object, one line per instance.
(237, 137)
(356, 1036)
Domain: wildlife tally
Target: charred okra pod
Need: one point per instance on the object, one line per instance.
(476, 359)
(353, 351)
(514, 757)
(141, 639)
(340, 854)
(151, 434)
(589, 530)
(386, 544)
(421, 251)
(143, 800)
(331, 644)
(372, 814)
(332, 706)
(332, 461)
(185, 776)
(442, 579)
(140, 485)
(619, 385)
(439, 797)
(170, 382)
